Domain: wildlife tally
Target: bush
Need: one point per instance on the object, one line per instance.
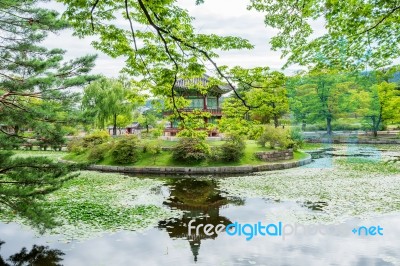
(297, 140)
(233, 149)
(97, 153)
(215, 154)
(190, 150)
(96, 138)
(76, 145)
(152, 147)
(126, 150)
(275, 137)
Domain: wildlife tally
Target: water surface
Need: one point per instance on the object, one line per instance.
(205, 200)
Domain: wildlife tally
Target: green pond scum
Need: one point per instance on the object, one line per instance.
(96, 203)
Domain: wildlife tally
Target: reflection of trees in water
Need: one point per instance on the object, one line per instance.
(201, 201)
(37, 256)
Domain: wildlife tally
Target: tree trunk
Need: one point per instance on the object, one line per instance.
(147, 128)
(303, 126)
(375, 124)
(276, 121)
(329, 125)
(115, 125)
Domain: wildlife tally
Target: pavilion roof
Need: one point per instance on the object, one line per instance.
(190, 84)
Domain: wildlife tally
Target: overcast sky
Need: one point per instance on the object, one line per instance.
(223, 17)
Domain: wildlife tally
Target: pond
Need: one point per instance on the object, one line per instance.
(343, 209)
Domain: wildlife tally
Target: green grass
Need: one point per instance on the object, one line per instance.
(165, 157)
(299, 155)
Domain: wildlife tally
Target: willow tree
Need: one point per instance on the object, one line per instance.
(35, 85)
(106, 99)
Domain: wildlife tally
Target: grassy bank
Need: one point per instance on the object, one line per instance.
(165, 157)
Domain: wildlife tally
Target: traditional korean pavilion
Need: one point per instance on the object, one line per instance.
(209, 102)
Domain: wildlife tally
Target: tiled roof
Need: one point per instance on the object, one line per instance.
(203, 82)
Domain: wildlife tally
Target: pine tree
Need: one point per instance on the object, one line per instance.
(36, 91)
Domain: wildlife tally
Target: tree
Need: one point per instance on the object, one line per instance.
(123, 121)
(234, 121)
(34, 81)
(34, 90)
(383, 104)
(148, 118)
(318, 96)
(359, 33)
(23, 181)
(160, 46)
(105, 99)
(298, 101)
(38, 255)
(270, 98)
(376, 99)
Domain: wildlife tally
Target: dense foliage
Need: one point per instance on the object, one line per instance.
(233, 149)
(191, 150)
(126, 150)
(275, 137)
(25, 180)
(359, 33)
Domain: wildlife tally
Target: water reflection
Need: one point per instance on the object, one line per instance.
(37, 256)
(201, 201)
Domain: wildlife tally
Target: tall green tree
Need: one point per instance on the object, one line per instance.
(318, 96)
(106, 99)
(381, 104)
(269, 98)
(34, 90)
(376, 98)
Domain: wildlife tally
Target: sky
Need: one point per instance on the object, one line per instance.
(224, 17)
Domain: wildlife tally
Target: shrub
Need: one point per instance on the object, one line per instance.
(76, 145)
(96, 138)
(233, 149)
(275, 137)
(297, 140)
(190, 150)
(97, 153)
(152, 147)
(126, 150)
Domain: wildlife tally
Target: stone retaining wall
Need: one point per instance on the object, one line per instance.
(201, 170)
(270, 156)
